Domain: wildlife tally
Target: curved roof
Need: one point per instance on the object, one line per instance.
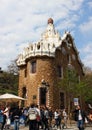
(49, 42)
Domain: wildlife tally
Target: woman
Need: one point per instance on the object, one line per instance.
(6, 113)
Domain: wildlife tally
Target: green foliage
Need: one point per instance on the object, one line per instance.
(9, 80)
(71, 84)
(68, 84)
(69, 81)
(86, 88)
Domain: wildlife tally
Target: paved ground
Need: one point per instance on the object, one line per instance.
(72, 127)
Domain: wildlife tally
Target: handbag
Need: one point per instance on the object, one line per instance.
(86, 121)
(38, 118)
(8, 121)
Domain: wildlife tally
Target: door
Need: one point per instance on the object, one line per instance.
(42, 96)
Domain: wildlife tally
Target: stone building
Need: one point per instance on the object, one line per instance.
(43, 63)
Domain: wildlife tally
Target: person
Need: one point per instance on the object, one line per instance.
(46, 117)
(50, 116)
(6, 113)
(25, 113)
(1, 118)
(38, 118)
(16, 116)
(79, 117)
(64, 113)
(42, 117)
(57, 118)
(32, 114)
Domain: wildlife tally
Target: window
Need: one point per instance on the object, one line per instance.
(33, 67)
(38, 46)
(62, 103)
(73, 57)
(69, 58)
(59, 71)
(63, 50)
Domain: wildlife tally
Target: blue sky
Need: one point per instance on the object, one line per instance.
(23, 21)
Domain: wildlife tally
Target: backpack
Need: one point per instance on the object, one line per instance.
(32, 114)
(46, 114)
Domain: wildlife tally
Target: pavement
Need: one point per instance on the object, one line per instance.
(70, 127)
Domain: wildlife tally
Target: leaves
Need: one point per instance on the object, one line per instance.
(9, 80)
(71, 84)
(69, 81)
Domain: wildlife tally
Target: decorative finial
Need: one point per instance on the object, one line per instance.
(50, 20)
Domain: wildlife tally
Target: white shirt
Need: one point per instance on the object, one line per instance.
(80, 116)
(6, 112)
(56, 114)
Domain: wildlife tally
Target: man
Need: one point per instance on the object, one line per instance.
(79, 117)
(16, 116)
(38, 118)
(32, 114)
(50, 116)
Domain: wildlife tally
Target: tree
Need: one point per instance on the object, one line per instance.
(86, 89)
(12, 68)
(9, 79)
(75, 88)
(68, 84)
(8, 83)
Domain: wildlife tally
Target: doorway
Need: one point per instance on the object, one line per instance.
(42, 96)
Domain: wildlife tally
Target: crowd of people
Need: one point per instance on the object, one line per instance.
(36, 117)
(39, 117)
(9, 115)
(45, 118)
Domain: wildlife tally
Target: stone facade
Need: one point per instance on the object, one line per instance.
(49, 56)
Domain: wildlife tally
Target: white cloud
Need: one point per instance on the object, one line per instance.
(90, 4)
(88, 61)
(86, 52)
(86, 27)
(87, 48)
(23, 21)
